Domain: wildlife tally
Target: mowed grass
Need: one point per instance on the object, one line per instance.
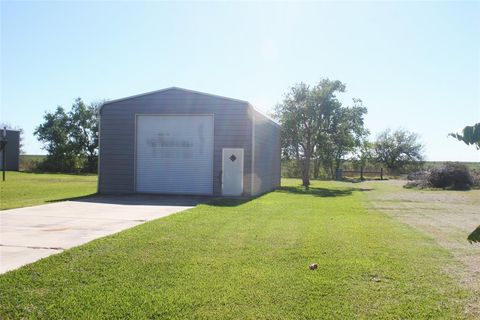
(23, 189)
(232, 259)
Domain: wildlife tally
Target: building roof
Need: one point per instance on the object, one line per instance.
(187, 91)
(174, 88)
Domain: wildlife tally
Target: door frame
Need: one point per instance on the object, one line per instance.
(223, 167)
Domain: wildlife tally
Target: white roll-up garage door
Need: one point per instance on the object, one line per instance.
(174, 154)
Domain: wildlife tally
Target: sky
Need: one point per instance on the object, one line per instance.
(415, 65)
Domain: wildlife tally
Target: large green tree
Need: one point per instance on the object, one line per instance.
(70, 138)
(83, 132)
(54, 133)
(342, 132)
(301, 115)
(398, 149)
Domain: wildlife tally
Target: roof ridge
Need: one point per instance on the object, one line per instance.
(173, 88)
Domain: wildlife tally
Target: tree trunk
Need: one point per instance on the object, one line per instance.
(337, 165)
(332, 172)
(306, 171)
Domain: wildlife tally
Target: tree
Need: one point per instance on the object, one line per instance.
(398, 149)
(470, 135)
(300, 115)
(83, 127)
(342, 131)
(71, 138)
(364, 153)
(54, 133)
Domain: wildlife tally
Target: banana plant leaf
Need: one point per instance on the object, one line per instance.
(470, 135)
(474, 236)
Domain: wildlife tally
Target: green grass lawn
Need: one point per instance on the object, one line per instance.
(23, 189)
(247, 260)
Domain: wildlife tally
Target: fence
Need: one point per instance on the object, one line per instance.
(340, 174)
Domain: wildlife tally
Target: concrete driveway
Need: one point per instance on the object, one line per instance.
(29, 234)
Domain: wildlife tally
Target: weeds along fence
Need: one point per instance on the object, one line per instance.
(292, 169)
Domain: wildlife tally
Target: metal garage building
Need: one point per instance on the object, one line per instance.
(178, 141)
(12, 150)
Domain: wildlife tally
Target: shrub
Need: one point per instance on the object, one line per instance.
(476, 178)
(453, 176)
(417, 184)
(418, 175)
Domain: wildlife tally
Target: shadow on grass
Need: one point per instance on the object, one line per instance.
(178, 200)
(135, 199)
(156, 199)
(228, 202)
(322, 192)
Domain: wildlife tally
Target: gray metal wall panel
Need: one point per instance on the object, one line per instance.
(232, 129)
(12, 150)
(267, 155)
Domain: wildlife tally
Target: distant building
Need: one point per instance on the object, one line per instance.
(12, 150)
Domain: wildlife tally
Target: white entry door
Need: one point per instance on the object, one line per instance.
(232, 171)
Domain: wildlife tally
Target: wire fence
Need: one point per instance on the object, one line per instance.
(340, 174)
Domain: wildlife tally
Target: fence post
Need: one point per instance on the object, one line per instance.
(381, 174)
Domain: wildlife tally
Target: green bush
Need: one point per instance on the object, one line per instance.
(65, 164)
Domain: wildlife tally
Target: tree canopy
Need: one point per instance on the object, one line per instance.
(70, 138)
(315, 125)
(398, 149)
(341, 133)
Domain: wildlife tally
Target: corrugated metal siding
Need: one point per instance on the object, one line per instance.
(267, 155)
(12, 150)
(232, 129)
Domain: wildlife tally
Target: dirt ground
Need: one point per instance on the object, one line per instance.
(447, 216)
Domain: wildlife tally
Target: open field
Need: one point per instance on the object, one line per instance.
(32, 157)
(446, 216)
(30, 162)
(249, 260)
(436, 164)
(23, 189)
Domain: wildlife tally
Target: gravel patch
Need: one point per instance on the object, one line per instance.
(446, 216)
